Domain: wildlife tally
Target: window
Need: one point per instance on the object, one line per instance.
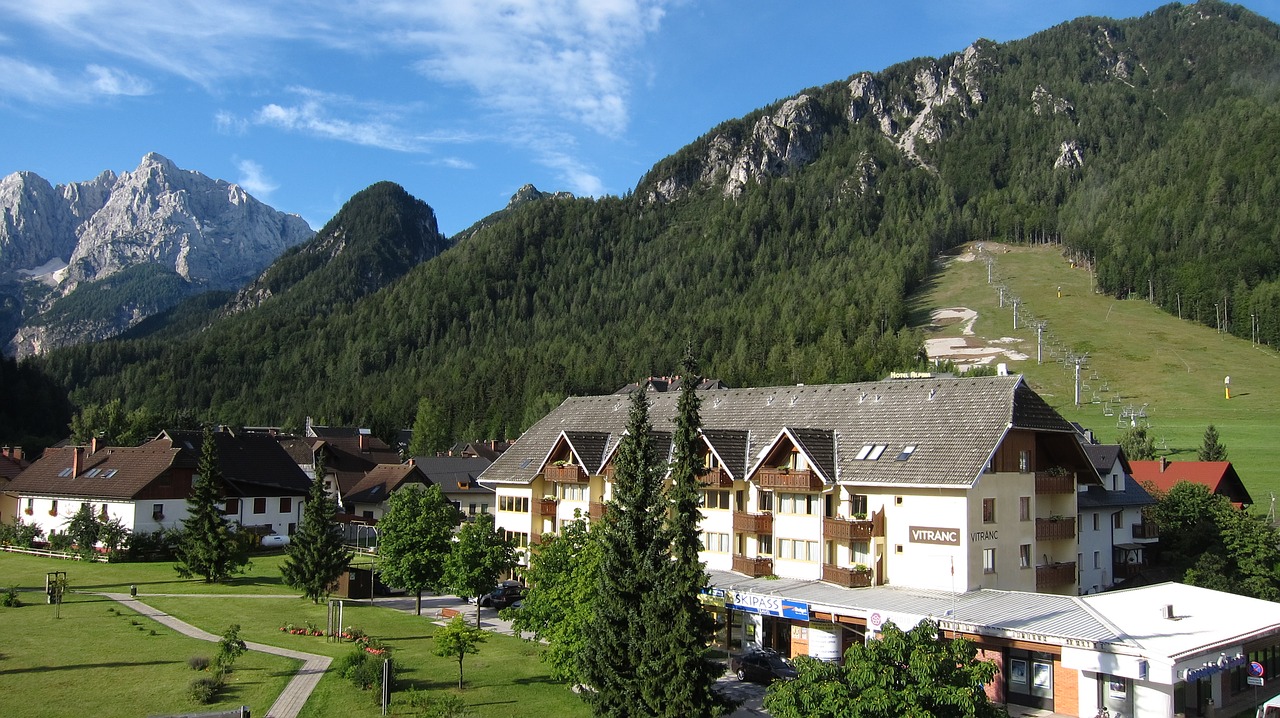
(1024, 461)
(988, 560)
(860, 552)
(484, 508)
(716, 500)
(1097, 559)
(293, 528)
(232, 506)
(573, 492)
(876, 451)
(260, 505)
(109, 473)
(798, 550)
(286, 504)
(1024, 508)
(858, 505)
(710, 460)
(519, 539)
(1095, 521)
(715, 542)
(93, 472)
(30, 506)
(907, 451)
(53, 508)
(1024, 556)
(518, 504)
(471, 510)
(988, 511)
(157, 511)
(1117, 520)
(366, 514)
(766, 501)
(766, 545)
(809, 504)
(65, 472)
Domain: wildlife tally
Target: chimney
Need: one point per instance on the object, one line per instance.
(75, 461)
(1166, 611)
(93, 445)
(16, 453)
(1164, 463)
(364, 440)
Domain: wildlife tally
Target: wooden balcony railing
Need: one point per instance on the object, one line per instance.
(595, 510)
(847, 529)
(547, 506)
(1127, 570)
(716, 478)
(1146, 530)
(1047, 483)
(566, 474)
(1055, 574)
(1055, 529)
(795, 479)
(753, 567)
(847, 577)
(746, 523)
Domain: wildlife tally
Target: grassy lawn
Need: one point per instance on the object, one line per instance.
(506, 674)
(93, 661)
(1141, 353)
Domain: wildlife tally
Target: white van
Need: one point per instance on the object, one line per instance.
(1270, 709)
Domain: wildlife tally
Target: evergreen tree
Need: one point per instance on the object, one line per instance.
(633, 556)
(207, 546)
(481, 555)
(682, 675)
(414, 538)
(316, 556)
(1211, 449)
(430, 430)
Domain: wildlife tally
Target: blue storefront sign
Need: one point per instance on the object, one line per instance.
(767, 605)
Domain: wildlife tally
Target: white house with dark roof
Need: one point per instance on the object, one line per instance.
(1114, 536)
(943, 483)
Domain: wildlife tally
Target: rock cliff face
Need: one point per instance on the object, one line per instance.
(209, 232)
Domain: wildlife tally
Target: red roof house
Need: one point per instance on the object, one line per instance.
(1219, 476)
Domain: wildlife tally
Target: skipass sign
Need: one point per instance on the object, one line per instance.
(767, 605)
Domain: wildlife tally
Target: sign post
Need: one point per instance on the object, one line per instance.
(1256, 671)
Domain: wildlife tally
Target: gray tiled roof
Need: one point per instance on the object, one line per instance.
(954, 423)
(731, 446)
(589, 447)
(820, 446)
(1131, 495)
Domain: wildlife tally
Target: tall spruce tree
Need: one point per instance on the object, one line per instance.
(633, 556)
(207, 546)
(316, 555)
(681, 684)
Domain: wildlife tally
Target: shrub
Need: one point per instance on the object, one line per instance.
(205, 688)
(10, 598)
(229, 648)
(198, 663)
(60, 542)
(363, 669)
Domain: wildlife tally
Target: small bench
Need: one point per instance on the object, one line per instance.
(449, 612)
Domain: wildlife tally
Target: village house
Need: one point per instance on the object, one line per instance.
(12, 463)
(147, 486)
(1219, 477)
(1114, 535)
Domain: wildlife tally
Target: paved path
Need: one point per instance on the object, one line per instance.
(294, 695)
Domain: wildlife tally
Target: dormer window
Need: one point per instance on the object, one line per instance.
(907, 451)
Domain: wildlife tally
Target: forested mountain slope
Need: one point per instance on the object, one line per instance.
(782, 245)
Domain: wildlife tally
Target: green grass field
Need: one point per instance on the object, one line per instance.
(131, 672)
(1143, 355)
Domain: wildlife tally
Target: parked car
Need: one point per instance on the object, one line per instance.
(502, 596)
(762, 665)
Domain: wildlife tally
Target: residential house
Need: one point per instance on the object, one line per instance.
(348, 454)
(458, 478)
(368, 498)
(1219, 476)
(147, 486)
(1114, 535)
(941, 483)
(12, 463)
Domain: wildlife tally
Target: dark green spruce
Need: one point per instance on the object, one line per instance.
(207, 546)
(620, 651)
(681, 628)
(316, 555)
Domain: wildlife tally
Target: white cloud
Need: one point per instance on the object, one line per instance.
(228, 123)
(254, 180)
(42, 85)
(456, 163)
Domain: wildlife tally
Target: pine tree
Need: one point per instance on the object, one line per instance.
(316, 556)
(633, 556)
(207, 546)
(1211, 449)
(682, 676)
(430, 432)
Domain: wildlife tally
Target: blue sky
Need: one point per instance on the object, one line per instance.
(306, 102)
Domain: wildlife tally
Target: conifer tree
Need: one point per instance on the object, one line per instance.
(681, 627)
(633, 555)
(1211, 449)
(316, 555)
(207, 546)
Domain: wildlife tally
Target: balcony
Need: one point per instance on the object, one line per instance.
(547, 506)
(1047, 483)
(595, 510)
(566, 474)
(847, 577)
(753, 567)
(746, 523)
(1055, 529)
(794, 479)
(1123, 571)
(1055, 574)
(1146, 530)
(841, 529)
(716, 478)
